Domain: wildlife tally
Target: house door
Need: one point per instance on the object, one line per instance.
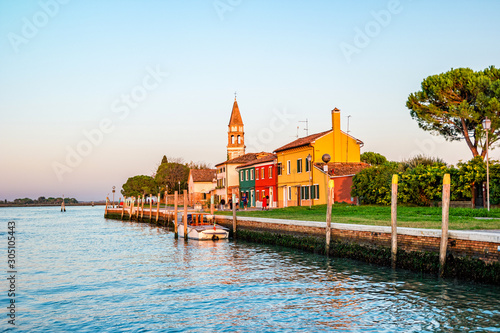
(251, 200)
(479, 195)
(298, 196)
(271, 200)
(285, 197)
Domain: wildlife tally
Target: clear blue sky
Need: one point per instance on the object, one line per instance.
(66, 68)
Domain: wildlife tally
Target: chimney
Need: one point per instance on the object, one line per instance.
(336, 135)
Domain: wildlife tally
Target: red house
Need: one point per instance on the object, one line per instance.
(266, 181)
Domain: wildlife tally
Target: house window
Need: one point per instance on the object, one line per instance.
(257, 173)
(299, 165)
(241, 174)
(270, 172)
(315, 194)
(279, 169)
(251, 174)
(257, 197)
(232, 139)
(289, 192)
(288, 167)
(246, 174)
(262, 173)
(239, 139)
(308, 166)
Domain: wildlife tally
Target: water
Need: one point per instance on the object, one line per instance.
(80, 272)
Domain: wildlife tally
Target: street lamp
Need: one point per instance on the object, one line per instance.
(309, 158)
(487, 126)
(179, 187)
(114, 196)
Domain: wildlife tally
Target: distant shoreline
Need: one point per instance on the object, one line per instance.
(51, 205)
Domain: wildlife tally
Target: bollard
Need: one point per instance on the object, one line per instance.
(394, 230)
(444, 225)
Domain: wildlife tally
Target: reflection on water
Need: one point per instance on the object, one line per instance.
(78, 271)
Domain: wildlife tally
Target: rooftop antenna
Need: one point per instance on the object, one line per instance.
(296, 136)
(347, 145)
(307, 126)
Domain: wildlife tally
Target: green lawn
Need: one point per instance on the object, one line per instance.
(413, 217)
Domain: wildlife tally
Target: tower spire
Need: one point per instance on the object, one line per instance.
(235, 133)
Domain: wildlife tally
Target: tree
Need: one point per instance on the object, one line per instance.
(139, 185)
(454, 104)
(373, 158)
(170, 174)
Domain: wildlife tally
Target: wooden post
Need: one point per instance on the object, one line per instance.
(234, 214)
(394, 230)
(150, 206)
(185, 215)
(158, 208)
(141, 208)
(105, 209)
(444, 225)
(123, 208)
(212, 205)
(175, 213)
(329, 215)
(166, 212)
(131, 208)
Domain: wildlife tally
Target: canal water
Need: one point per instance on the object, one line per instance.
(77, 271)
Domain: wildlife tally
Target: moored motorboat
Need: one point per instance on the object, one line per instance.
(201, 230)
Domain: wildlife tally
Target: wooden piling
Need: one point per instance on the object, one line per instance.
(329, 215)
(150, 206)
(123, 208)
(394, 230)
(158, 208)
(166, 211)
(234, 214)
(175, 213)
(444, 224)
(185, 216)
(105, 209)
(212, 205)
(131, 208)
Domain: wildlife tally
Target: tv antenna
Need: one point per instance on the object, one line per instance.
(307, 126)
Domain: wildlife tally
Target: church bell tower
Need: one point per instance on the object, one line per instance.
(235, 134)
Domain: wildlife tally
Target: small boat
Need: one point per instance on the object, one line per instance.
(201, 230)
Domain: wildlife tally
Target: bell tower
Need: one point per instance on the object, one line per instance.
(235, 134)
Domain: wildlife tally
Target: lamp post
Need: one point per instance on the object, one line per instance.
(326, 158)
(114, 196)
(309, 158)
(487, 126)
(179, 187)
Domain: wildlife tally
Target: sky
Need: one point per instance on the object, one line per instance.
(94, 92)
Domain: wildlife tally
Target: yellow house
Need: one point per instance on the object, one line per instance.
(301, 177)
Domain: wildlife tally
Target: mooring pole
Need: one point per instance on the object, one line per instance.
(234, 214)
(185, 216)
(105, 209)
(166, 204)
(212, 205)
(158, 208)
(394, 229)
(150, 206)
(131, 211)
(444, 226)
(329, 215)
(123, 208)
(176, 195)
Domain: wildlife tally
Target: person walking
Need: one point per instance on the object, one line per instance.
(264, 203)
